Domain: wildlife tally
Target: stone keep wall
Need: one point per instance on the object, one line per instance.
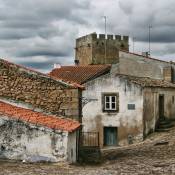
(38, 90)
(90, 49)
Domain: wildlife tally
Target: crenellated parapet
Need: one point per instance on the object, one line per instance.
(94, 36)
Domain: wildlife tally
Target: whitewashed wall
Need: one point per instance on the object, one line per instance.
(127, 121)
(23, 141)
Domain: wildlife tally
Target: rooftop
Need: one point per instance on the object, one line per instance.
(79, 74)
(147, 82)
(38, 118)
(32, 71)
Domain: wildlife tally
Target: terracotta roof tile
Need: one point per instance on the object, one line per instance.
(79, 74)
(38, 118)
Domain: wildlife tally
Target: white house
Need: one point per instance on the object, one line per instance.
(34, 136)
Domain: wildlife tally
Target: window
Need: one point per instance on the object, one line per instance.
(110, 102)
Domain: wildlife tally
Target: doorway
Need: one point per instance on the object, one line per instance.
(161, 106)
(110, 136)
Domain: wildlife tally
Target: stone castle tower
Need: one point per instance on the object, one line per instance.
(91, 49)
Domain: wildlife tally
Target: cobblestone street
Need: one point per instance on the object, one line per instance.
(156, 155)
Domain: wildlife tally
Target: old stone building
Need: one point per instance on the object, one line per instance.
(123, 101)
(40, 116)
(91, 49)
(123, 109)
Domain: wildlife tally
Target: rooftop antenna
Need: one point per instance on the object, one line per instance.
(149, 38)
(105, 20)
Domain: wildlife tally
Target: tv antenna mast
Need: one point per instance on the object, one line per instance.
(105, 20)
(149, 38)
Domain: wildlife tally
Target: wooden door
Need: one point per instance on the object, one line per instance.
(110, 136)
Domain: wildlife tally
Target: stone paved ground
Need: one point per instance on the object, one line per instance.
(142, 159)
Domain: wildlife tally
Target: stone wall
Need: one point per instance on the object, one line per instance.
(90, 49)
(39, 90)
(23, 141)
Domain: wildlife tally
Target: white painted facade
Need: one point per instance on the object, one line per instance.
(128, 122)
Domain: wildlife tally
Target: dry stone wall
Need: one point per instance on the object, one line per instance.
(38, 90)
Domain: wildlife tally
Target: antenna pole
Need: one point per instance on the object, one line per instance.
(150, 39)
(105, 19)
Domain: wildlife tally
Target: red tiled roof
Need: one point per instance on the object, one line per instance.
(26, 69)
(79, 74)
(38, 118)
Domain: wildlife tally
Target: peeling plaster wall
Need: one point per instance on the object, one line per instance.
(72, 147)
(129, 122)
(151, 106)
(23, 141)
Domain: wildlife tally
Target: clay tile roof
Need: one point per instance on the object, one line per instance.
(79, 74)
(38, 118)
(147, 82)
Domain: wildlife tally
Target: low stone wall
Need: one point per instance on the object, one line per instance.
(39, 90)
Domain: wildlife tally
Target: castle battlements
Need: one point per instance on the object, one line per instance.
(95, 36)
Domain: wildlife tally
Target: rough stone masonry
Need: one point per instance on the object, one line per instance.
(38, 90)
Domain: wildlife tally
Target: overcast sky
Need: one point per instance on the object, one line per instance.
(39, 33)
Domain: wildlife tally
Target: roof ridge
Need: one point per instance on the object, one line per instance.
(147, 81)
(40, 73)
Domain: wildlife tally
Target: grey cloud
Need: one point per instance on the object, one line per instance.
(37, 29)
(41, 52)
(127, 6)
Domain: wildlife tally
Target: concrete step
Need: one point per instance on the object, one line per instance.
(164, 120)
(167, 125)
(172, 119)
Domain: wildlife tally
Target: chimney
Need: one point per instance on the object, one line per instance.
(168, 74)
(56, 66)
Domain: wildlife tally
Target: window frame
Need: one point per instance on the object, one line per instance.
(110, 102)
